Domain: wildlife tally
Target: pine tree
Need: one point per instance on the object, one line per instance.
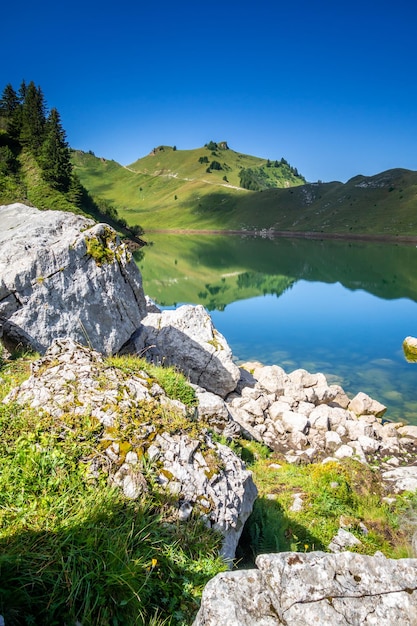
(33, 118)
(10, 109)
(54, 156)
(9, 101)
(22, 92)
(76, 191)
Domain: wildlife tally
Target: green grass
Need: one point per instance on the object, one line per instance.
(73, 548)
(173, 382)
(330, 492)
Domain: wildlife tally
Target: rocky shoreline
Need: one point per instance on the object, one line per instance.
(71, 290)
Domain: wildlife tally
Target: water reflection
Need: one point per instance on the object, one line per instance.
(216, 270)
(342, 308)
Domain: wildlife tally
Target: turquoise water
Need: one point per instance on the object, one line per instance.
(339, 308)
(354, 338)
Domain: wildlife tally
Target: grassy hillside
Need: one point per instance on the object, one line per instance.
(384, 204)
(171, 189)
(24, 183)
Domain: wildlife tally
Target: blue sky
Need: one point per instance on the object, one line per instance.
(331, 86)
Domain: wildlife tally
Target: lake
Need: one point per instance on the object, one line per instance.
(338, 307)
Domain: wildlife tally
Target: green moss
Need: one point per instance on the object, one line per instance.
(97, 248)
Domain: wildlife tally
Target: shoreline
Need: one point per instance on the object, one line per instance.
(277, 234)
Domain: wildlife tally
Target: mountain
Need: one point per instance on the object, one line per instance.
(172, 189)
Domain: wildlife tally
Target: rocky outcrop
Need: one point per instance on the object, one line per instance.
(61, 275)
(187, 339)
(203, 476)
(314, 588)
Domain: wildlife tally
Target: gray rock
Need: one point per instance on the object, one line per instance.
(271, 378)
(362, 404)
(303, 378)
(344, 451)
(319, 417)
(408, 431)
(341, 399)
(401, 478)
(342, 540)
(295, 422)
(332, 439)
(358, 428)
(187, 339)
(52, 287)
(296, 589)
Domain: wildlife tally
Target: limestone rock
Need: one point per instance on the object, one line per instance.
(408, 431)
(187, 339)
(271, 378)
(61, 275)
(401, 478)
(343, 540)
(314, 588)
(203, 476)
(362, 404)
(220, 489)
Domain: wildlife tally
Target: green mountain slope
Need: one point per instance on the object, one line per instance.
(171, 189)
(384, 204)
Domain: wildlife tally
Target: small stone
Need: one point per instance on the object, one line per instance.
(185, 511)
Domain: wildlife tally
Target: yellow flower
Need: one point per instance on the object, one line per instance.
(154, 562)
(306, 546)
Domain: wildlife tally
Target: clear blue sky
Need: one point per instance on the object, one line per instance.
(329, 85)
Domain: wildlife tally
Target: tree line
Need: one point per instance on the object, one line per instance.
(30, 126)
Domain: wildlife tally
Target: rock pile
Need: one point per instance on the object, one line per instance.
(304, 419)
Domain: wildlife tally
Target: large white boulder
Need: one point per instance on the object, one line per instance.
(61, 275)
(187, 339)
(314, 588)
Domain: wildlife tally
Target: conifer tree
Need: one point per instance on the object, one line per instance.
(22, 91)
(54, 156)
(9, 101)
(76, 191)
(10, 109)
(33, 118)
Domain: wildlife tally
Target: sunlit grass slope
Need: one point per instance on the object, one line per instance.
(172, 188)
